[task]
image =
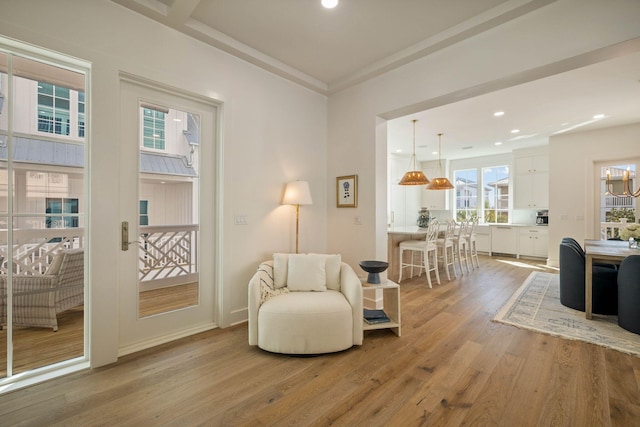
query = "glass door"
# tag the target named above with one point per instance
(616, 209)
(42, 213)
(167, 174)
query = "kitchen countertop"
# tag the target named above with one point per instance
(413, 229)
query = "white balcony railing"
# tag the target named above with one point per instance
(168, 253)
(611, 230)
(36, 248)
(618, 202)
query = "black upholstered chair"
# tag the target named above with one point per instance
(629, 294)
(605, 289)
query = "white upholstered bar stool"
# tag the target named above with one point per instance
(445, 249)
(471, 240)
(460, 245)
(427, 251)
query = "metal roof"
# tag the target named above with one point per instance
(165, 164)
(29, 150)
(56, 153)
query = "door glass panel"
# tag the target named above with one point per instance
(42, 251)
(169, 141)
(48, 309)
(4, 91)
(616, 207)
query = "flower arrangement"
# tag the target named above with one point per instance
(631, 231)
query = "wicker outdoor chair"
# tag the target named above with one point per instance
(37, 299)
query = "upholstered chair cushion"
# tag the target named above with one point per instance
(307, 273)
(308, 323)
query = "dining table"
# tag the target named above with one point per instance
(609, 251)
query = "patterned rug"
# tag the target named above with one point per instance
(536, 306)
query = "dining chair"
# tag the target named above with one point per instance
(445, 249)
(472, 243)
(460, 245)
(629, 294)
(427, 251)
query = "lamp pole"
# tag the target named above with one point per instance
(297, 219)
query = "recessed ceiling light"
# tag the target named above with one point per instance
(329, 4)
(497, 143)
(434, 152)
(515, 131)
(498, 113)
(398, 151)
(598, 116)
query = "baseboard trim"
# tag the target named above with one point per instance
(143, 345)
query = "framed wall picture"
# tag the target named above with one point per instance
(347, 191)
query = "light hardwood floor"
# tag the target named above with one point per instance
(37, 347)
(451, 366)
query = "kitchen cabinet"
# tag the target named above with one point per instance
(403, 200)
(483, 238)
(434, 200)
(533, 241)
(531, 182)
(504, 240)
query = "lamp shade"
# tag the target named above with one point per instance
(442, 182)
(439, 184)
(297, 193)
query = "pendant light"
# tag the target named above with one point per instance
(414, 177)
(442, 183)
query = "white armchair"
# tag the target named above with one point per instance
(305, 304)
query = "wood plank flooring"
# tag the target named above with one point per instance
(37, 347)
(452, 366)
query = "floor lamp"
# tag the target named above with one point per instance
(297, 193)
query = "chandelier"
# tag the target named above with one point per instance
(626, 185)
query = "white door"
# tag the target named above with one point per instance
(167, 181)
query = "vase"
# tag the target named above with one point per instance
(423, 218)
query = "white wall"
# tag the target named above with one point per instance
(501, 57)
(575, 188)
(272, 131)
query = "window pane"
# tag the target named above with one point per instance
(45, 100)
(496, 194)
(45, 88)
(466, 182)
(62, 103)
(61, 92)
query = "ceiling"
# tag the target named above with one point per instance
(553, 105)
(328, 50)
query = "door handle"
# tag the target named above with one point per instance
(124, 236)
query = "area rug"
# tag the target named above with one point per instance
(536, 306)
